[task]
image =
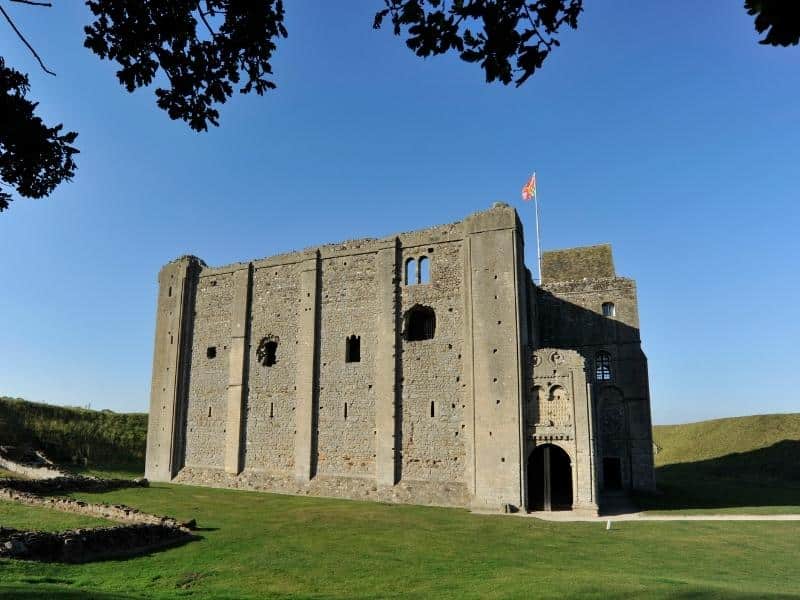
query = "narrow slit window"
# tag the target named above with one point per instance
(433, 409)
(353, 349)
(424, 270)
(345, 411)
(271, 410)
(209, 412)
(602, 366)
(609, 310)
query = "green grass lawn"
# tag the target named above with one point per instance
(257, 545)
(743, 465)
(20, 516)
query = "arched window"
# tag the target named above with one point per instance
(420, 323)
(602, 366)
(424, 270)
(609, 310)
(411, 271)
(267, 351)
(353, 349)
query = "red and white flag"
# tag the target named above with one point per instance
(529, 189)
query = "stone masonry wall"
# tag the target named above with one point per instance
(269, 415)
(433, 445)
(206, 411)
(346, 442)
(431, 421)
(570, 316)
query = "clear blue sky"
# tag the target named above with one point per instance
(663, 128)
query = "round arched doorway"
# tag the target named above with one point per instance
(549, 479)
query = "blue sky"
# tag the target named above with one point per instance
(663, 128)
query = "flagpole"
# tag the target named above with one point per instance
(538, 234)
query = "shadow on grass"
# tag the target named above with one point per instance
(30, 589)
(767, 477)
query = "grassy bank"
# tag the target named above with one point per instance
(741, 464)
(76, 435)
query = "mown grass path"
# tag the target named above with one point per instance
(259, 545)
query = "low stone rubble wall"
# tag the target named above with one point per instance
(70, 483)
(85, 545)
(141, 532)
(112, 512)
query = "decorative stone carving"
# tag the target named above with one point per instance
(552, 408)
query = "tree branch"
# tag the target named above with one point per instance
(536, 29)
(32, 3)
(24, 41)
(203, 17)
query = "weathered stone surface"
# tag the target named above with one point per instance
(252, 387)
(576, 264)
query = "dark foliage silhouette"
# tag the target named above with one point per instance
(34, 158)
(509, 38)
(779, 18)
(203, 48)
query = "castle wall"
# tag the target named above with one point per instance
(171, 357)
(270, 398)
(206, 407)
(277, 406)
(559, 412)
(346, 445)
(495, 278)
(570, 316)
(432, 401)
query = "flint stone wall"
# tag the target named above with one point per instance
(85, 545)
(434, 421)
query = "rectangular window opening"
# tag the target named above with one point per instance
(353, 349)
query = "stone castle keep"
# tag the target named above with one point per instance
(424, 367)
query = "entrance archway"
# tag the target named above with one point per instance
(549, 479)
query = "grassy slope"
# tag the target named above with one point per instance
(741, 464)
(269, 546)
(69, 434)
(711, 439)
